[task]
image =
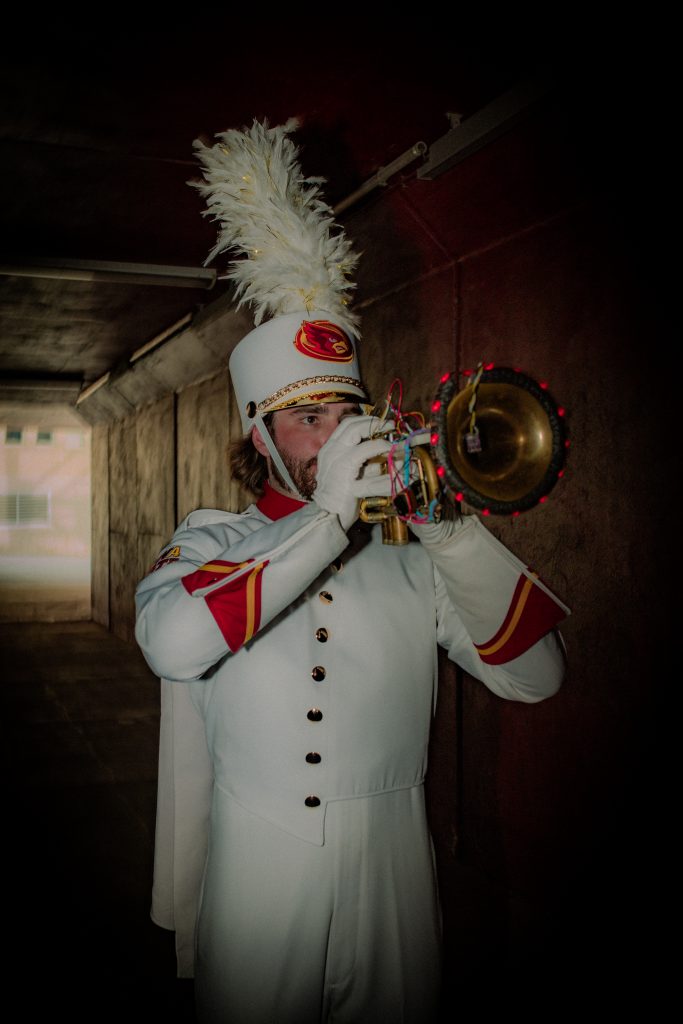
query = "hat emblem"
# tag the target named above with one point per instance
(322, 339)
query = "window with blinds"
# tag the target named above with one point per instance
(24, 509)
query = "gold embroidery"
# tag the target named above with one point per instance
(279, 399)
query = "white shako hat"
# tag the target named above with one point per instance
(297, 359)
(294, 268)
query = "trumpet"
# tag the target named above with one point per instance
(497, 443)
(419, 500)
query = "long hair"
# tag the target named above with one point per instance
(247, 465)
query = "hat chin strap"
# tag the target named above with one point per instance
(276, 457)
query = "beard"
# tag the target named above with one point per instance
(302, 471)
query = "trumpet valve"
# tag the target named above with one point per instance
(394, 531)
(376, 509)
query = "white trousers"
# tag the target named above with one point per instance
(347, 932)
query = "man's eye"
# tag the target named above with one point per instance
(311, 420)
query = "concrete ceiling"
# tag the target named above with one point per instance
(97, 131)
(96, 145)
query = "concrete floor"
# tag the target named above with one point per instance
(44, 589)
(79, 712)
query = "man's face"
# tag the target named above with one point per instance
(299, 434)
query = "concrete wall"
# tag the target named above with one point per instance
(164, 461)
(100, 524)
(207, 423)
(519, 255)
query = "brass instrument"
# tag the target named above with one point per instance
(498, 443)
(393, 513)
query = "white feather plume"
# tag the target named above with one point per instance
(270, 214)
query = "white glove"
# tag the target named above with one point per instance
(433, 534)
(343, 477)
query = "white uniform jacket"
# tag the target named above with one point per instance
(307, 658)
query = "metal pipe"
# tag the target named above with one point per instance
(380, 178)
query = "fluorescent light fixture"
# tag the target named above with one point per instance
(156, 341)
(92, 388)
(113, 273)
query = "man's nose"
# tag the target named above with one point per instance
(328, 428)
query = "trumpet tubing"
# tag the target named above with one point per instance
(419, 498)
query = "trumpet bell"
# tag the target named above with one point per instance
(515, 454)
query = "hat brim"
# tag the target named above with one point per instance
(315, 398)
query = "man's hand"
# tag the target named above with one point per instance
(432, 534)
(344, 474)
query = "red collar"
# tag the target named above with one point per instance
(276, 505)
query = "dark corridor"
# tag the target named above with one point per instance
(80, 738)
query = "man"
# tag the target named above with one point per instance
(301, 656)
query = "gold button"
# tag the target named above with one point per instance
(315, 715)
(318, 673)
(312, 801)
(326, 596)
(337, 565)
(322, 635)
(313, 758)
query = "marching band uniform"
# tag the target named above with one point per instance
(312, 662)
(299, 676)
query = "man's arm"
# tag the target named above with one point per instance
(221, 587)
(496, 617)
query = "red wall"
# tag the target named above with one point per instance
(537, 252)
